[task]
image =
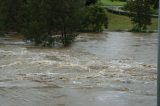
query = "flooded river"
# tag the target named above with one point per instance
(107, 69)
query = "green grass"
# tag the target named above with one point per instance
(123, 23)
(109, 2)
(154, 25)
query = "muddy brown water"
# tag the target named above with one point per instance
(107, 69)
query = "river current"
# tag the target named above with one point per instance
(106, 69)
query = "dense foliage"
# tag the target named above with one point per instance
(11, 14)
(52, 21)
(155, 3)
(89, 2)
(140, 13)
(46, 22)
(119, 0)
(95, 19)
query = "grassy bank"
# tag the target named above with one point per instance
(109, 2)
(123, 23)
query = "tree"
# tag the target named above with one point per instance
(11, 14)
(95, 18)
(155, 3)
(89, 2)
(47, 18)
(140, 13)
(46, 22)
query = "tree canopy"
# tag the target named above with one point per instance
(49, 17)
(140, 13)
(155, 3)
(11, 14)
(89, 2)
(95, 19)
(49, 21)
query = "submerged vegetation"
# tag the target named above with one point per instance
(46, 22)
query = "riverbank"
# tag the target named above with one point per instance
(120, 22)
(123, 23)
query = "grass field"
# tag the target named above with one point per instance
(123, 23)
(109, 2)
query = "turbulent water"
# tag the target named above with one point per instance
(107, 69)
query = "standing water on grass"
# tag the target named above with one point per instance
(107, 69)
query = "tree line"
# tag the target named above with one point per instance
(46, 22)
